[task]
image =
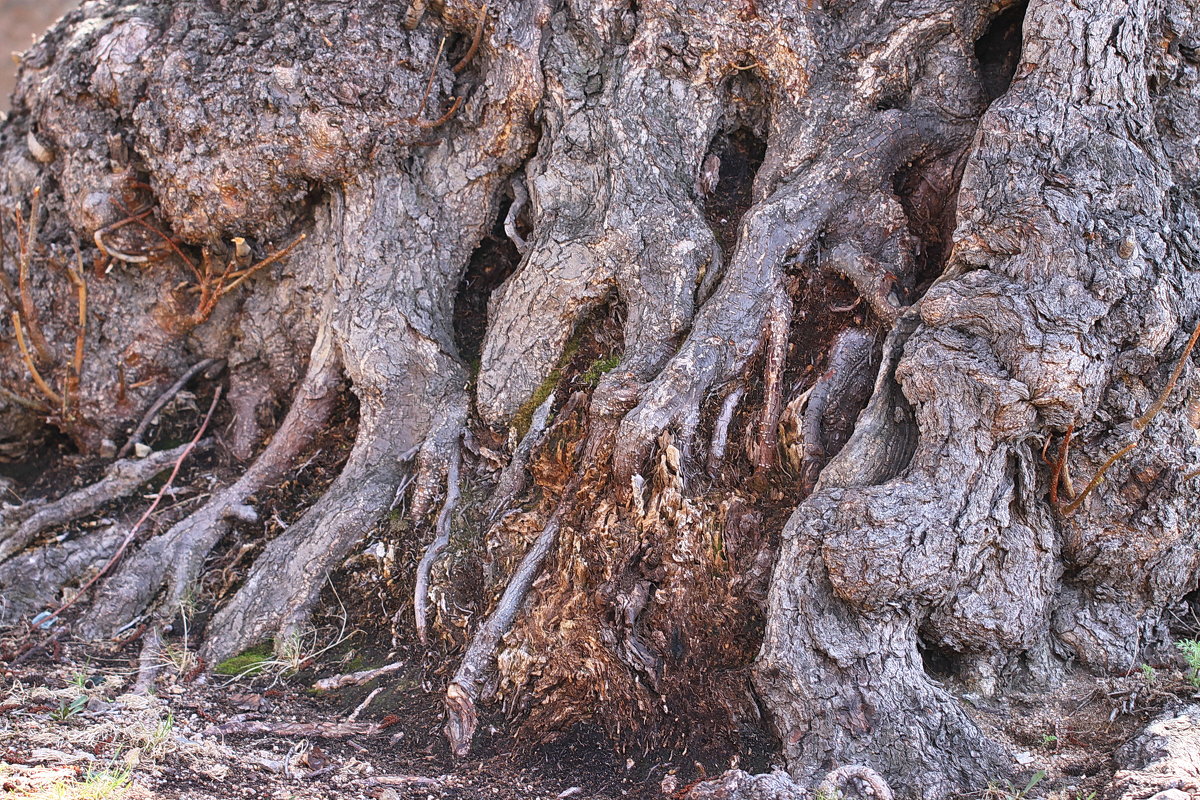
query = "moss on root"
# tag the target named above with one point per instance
(251, 662)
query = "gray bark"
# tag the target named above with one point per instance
(1020, 262)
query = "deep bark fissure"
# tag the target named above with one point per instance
(998, 50)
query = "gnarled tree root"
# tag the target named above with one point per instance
(736, 784)
(121, 479)
(435, 548)
(177, 557)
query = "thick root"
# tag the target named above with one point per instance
(286, 580)
(642, 235)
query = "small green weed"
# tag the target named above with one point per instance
(1010, 792)
(66, 710)
(99, 784)
(1191, 654)
(1149, 674)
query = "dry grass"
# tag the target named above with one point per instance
(91, 741)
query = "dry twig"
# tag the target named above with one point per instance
(1139, 425)
(162, 400)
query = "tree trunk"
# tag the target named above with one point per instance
(820, 327)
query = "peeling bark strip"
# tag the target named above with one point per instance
(1003, 195)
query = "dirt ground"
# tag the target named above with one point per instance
(72, 728)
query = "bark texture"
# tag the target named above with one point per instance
(798, 391)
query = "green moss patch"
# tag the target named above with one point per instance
(248, 663)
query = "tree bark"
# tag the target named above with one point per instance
(824, 323)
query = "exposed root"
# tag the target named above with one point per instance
(720, 437)
(1139, 425)
(122, 478)
(136, 438)
(778, 325)
(441, 445)
(326, 730)
(728, 330)
(871, 279)
(149, 660)
(831, 786)
(285, 580)
(178, 555)
(515, 477)
(850, 362)
(421, 588)
(463, 692)
(358, 678)
(133, 531)
(520, 201)
(735, 784)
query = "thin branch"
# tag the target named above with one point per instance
(271, 259)
(1144, 420)
(32, 405)
(146, 515)
(444, 118)
(1056, 476)
(162, 400)
(327, 730)
(122, 478)
(358, 678)
(1097, 479)
(170, 243)
(77, 278)
(1139, 425)
(432, 75)
(476, 38)
(28, 310)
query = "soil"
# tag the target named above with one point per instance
(68, 715)
(198, 761)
